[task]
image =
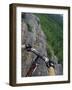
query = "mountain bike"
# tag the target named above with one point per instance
(49, 63)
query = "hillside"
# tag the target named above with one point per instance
(52, 26)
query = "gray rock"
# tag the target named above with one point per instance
(37, 39)
(59, 69)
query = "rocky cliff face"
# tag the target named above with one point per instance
(32, 34)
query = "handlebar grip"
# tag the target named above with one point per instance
(27, 47)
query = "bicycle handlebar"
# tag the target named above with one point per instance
(30, 49)
(49, 63)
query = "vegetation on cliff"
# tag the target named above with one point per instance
(52, 26)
